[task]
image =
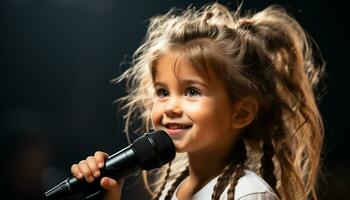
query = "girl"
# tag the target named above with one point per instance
(236, 96)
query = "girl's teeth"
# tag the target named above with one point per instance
(176, 126)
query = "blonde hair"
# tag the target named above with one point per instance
(267, 55)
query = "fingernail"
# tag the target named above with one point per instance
(80, 175)
(100, 165)
(90, 179)
(97, 173)
(111, 182)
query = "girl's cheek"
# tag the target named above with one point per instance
(156, 116)
(154, 123)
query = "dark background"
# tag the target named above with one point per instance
(57, 58)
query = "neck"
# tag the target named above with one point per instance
(204, 167)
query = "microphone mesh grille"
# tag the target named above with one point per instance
(154, 149)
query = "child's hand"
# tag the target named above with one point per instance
(90, 169)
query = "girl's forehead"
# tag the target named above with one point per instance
(180, 65)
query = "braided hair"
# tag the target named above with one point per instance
(241, 154)
(267, 165)
(161, 188)
(222, 181)
(176, 183)
(231, 174)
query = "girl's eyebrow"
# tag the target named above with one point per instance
(182, 81)
(159, 84)
(194, 81)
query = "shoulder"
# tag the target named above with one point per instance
(251, 186)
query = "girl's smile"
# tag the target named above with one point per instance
(176, 129)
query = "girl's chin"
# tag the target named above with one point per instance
(178, 147)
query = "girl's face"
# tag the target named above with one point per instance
(193, 107)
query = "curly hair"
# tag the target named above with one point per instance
(267, 55)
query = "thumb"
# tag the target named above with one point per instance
(113, 188)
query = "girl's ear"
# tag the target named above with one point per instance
(244, 112)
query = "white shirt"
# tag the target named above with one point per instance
(249, 187)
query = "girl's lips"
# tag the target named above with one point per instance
(177, 131)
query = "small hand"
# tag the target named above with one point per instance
(90, 169)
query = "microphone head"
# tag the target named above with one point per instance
(154, 149)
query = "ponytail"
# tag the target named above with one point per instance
(296, 127)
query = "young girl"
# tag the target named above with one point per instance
(236, 96)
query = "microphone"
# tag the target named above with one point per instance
(152, 150)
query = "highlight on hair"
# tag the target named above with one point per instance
(266, 55)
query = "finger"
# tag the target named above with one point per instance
(76, 171)
(100, 157)
(86, 171)
(92, 164)
(113, 188)
(111, 184)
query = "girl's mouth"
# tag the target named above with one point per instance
(177, 129)
(177, 126)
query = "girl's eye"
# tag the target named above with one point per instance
(162, 93)
(192, 92)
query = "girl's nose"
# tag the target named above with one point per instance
(173, 108)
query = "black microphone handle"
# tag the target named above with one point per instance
(74, 186)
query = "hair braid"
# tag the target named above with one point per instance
(161, 188)
(237, 174)
(241, 154)
(222, 181)
(177, 181)
(267, 165)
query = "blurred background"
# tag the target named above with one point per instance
(58, 57)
